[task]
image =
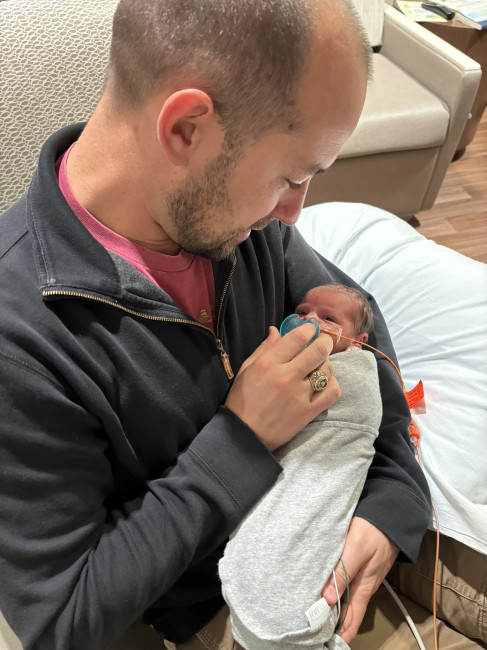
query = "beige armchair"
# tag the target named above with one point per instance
(52, 61)
(416, 109)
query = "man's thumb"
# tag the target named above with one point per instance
(272, 337)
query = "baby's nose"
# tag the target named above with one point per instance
(311, 314)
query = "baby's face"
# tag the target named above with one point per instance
(329, 305)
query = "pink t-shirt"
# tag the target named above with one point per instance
(187, 278)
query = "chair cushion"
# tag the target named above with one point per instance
(47, 82)
(399, 114)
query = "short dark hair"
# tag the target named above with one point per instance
(364, 321)
(248, 55)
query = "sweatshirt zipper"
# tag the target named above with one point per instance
(225, 359)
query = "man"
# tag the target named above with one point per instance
(144, 384)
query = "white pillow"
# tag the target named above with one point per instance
(434, 301)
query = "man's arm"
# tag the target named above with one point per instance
(79, 562)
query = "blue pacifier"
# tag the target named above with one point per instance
(293, 321)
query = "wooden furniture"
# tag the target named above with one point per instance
(473, 43)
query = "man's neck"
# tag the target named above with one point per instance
(115, 192)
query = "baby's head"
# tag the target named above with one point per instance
(342, 305)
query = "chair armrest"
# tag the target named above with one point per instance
(448, 73)
(429, 59)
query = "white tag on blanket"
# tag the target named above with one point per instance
(317, 614)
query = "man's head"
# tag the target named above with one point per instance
(345, 306)
(217, 114)
(248, 56)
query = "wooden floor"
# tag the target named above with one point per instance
(458, 218)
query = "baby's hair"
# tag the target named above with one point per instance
(364, 322)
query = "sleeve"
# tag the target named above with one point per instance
(76, 567)
(395, 497)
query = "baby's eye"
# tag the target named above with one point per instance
(329, 318)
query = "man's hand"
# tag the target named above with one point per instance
(272, 393)
(368, 555)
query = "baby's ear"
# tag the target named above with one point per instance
(362, 337)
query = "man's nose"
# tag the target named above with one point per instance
(290, 204)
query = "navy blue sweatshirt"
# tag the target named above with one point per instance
(122, 473)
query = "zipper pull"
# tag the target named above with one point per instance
(225, 360)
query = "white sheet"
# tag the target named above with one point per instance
(435, 303)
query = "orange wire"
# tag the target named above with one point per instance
(415, 437)
(372, 348)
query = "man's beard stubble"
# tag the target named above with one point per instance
(191, 207)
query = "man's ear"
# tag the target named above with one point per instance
(183, 119)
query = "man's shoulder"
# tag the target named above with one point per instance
(19, 279)
(13, 227)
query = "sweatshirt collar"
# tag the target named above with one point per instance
(68, 257)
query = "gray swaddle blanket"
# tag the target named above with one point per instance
(279, 558)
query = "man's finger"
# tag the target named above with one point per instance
(292, 348)
(351, 618)
(272, 337)
(329, 591)
(353, 604)
(355, 556)
(313, 356)
(367, 555)
(282, 349)
(293, 344)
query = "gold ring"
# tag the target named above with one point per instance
(318, 380)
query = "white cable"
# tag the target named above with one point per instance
(409, 620)
(339, 607)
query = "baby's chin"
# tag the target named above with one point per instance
(346, 346)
